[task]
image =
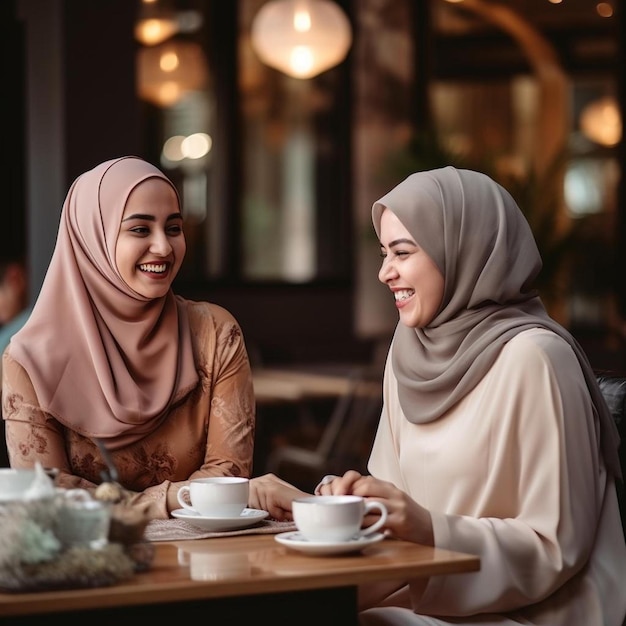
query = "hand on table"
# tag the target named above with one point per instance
(274, 495)
(406, 518)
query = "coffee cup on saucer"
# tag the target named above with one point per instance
(336, 518)
(217, 496)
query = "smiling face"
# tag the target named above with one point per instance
(415, 280)
(150, 245)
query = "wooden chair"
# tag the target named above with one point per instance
(344, 443)
(613, 387)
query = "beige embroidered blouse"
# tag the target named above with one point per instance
(209, 433)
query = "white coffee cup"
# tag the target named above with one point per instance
(336, 518)
(217, 496)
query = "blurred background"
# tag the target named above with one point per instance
(278, 160)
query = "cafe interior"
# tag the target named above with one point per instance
(278, 151)
(278, 160)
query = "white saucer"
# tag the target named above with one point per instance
(248, 517)
(296, 541)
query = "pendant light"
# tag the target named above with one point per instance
(167, 72)
(601, 122)
(156, 22)
(301, 38)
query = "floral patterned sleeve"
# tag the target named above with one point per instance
(230, 439)
(31, 434)
(226, 401)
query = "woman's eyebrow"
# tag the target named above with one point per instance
(397, 242)
(151, 218)
(139, 216)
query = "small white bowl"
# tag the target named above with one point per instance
(14, 482)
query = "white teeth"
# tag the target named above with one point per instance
(403, 295)
(157, 269)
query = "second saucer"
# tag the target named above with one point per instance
(248, 517)
(296, 541)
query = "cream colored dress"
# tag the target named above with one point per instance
(209, 433)
(512, 474)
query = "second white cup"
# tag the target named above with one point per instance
(336, 518)
(217, 496)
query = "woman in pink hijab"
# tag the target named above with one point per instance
(110, 353)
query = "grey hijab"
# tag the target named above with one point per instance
(476, 234)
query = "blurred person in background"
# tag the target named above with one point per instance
(14, 311)
(14, 308)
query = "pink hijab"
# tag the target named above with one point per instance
(474, 231)
(103, 360)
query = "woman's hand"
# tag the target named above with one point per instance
(406, 519)
(270, 493)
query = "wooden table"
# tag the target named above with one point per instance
(236, 580)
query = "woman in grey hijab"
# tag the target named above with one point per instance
(494, 438)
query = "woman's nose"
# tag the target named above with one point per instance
(160, 244)
(387, 271)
